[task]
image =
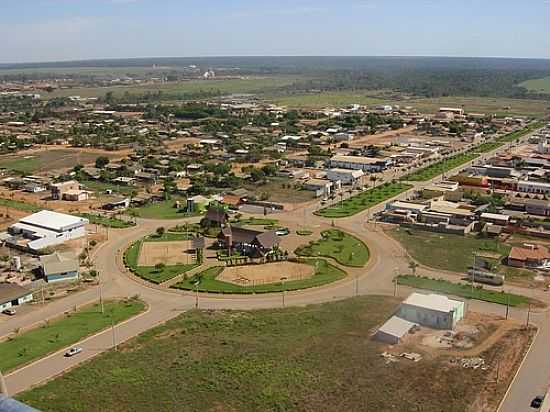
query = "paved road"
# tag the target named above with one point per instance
(387, 258)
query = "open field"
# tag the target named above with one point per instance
(168, 253)
(364, 200)
(37, 161)
(152, 273)
(487, 105)
(463, 290)
(98, 186)
(160, 210)
(314, 358)
(178, 90)
(255, 221)
(342, 247)
(537, 85)
(330, 99)
(324, 273)
(25, 347)
(458, 258)
(275, 191)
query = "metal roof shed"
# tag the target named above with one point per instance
(393, 330)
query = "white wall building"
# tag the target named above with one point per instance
(47, 228)
(528, 186)
(433, 311)
(345, 176)
(366, 164)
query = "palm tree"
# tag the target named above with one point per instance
(373, 179)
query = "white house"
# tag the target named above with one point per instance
(47, 228)
(346, 177)
(433, 311)
(321, 187)
(13, 295)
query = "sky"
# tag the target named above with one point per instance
(54, 30)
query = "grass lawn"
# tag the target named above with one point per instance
(304, 232)
(324, 273)
(454, 252)
(537, 85)
(314, 358)
(169, 237)
(98, 186)
(463, 290)
(364, 200)
(161, 210)
(453, 162)
(16, 204)
(256, 221)
(52, 336)
(342, 247)
(151, 273)
(111, 222)
(49, 159)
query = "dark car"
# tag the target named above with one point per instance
(537, 402)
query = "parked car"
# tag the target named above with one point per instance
(73, 351)
(282, 232)
(9, 312)
(537, 402)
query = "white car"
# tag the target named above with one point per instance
(9, 312)
(73, 351)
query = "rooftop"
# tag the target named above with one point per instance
(435, 302)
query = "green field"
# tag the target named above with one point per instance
(16, 204)
(98, 186)
(314, 358)
(179, 89)
(106, 221)
(488, 105)
(255, 221)
(160, 210)
(51, 159)
(364, 200)
(324, 273)
(463, 290)
(151, 273)
(340, 246)
(537, 85)
(458, 258)
(25, 347)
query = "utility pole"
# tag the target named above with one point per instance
(507, 304)
(197, 294)
(100, 292)
(528, 313)
(113, 330)
(3, 386)
(283, 279)
(357, 284)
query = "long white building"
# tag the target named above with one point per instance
(47, 228)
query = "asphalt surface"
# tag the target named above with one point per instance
(387, 259)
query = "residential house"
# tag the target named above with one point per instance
(433, 311)
(13, 295)
(529, 256)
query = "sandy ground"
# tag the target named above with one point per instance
(268, 273)
(169, 253)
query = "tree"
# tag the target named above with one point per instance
(160, 231)
(412, 266)
(373, 179)
(160, 266)
(101, 162)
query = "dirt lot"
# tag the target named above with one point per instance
(494, 344)
(268, 273)
(169, 253)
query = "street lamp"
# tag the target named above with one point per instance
(196, 284)
(283, 280)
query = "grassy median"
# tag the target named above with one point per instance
(24, 347)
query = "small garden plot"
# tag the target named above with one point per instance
(342, 247)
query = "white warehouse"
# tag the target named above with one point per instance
(47, 228)
(433, 311)
(345, 176)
